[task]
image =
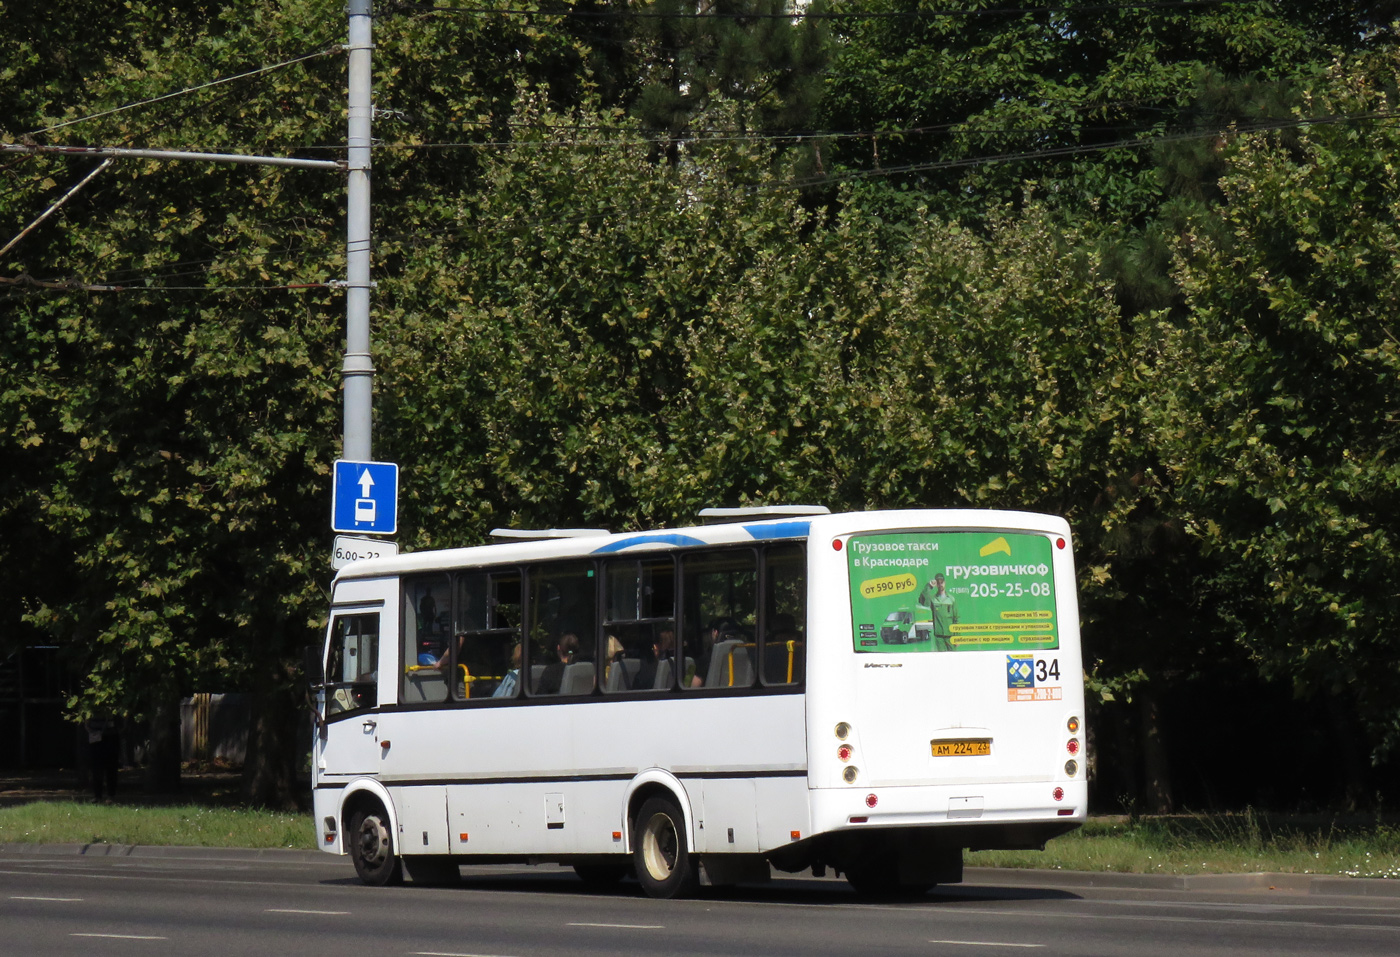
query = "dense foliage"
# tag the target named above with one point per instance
(1134, 264)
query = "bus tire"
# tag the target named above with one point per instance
(372, 848)
(434, 870)
(660, 853)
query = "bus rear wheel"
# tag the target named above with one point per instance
(665, 866)
(372, 848)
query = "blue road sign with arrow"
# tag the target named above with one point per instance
(366, 498)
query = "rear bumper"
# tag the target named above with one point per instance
(983, 816)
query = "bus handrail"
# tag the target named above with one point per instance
(467, 676)
(730, 657)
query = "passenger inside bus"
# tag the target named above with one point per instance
(510, 684)
(720, 629)
(618, 669)
(552, 677)
(655, 671)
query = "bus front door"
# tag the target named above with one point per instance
(348, 733)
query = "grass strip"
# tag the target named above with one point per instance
(72, 822)
(1216, 844)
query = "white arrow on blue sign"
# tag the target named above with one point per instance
(366, 498)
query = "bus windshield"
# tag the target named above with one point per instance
(924, 591)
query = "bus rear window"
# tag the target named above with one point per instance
(952, 591)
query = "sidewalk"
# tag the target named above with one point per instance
(19, 787)
(66, 784)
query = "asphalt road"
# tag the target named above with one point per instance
(60, 902)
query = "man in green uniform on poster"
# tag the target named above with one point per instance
(945, 612)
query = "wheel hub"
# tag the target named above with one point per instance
(374, 841)
(659, 843)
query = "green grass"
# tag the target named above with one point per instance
(71, 822)
(1217, 844)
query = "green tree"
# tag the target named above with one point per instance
(1276, 418)
(669, 61)
(1069, 87)
(173, 434)
(173, 438)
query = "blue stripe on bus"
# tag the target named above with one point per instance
(758, 532)
(670, 538)
(780, 530)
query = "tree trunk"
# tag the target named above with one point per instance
(275, 739)
(1157, 782)
(163, 748)
(1355, 776)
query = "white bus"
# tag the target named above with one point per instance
(869, 692)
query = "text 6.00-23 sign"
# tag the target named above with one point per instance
(348, 549)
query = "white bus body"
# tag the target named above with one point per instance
(800, 730)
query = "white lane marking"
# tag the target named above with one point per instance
(441, 953)
(982, 943)
(1153, 919)
(622, 926)
(121, 936)
(294, 910)
(16, 897)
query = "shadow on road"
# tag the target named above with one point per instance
(807, 891)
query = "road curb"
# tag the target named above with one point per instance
(1356, 886)
(275, 855)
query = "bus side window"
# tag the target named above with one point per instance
(486, 616)
(639, 625)
(721, 604)
(353, 664)
(427, 616)
(563, 629)
(784, 614)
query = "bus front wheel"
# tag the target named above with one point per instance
(665, 866)
(372, 848)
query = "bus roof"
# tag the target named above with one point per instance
(666, 539)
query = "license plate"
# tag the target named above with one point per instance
(961, 746)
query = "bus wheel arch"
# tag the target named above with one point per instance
(653, 783)
(369, 828)
(660, 831)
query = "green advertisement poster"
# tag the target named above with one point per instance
(952, 591)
